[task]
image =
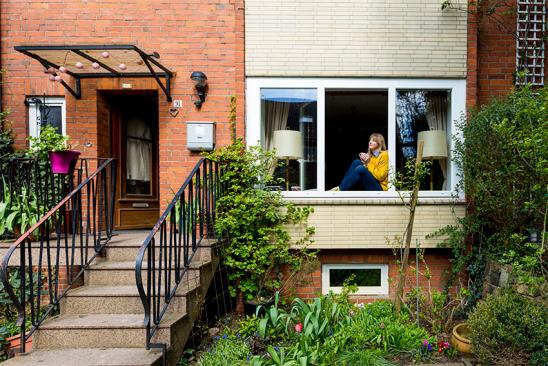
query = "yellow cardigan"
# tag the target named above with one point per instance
(378, 166)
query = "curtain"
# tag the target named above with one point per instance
(436, 117)
(275, 118)
(139, 150)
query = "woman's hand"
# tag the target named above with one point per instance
(364, 157)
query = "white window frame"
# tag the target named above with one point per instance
(362, 290)
(34, 129)
(457, 88)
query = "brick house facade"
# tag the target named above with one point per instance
(358, 61)
(204, 36)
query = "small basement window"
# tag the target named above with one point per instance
(371, 279)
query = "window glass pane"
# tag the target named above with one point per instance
(293, 110)
(51, 115)
(418, 111)
(363, 277)
(139, 157)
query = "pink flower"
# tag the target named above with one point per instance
(299, 327)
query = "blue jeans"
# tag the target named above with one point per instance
(359, 178)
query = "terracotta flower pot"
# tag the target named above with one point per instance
(14, 345)
(459, 338)
(62, 162)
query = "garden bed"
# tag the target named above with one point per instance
(328, 331)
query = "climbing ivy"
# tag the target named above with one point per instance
(256, 221)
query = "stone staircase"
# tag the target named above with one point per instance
(101, 322)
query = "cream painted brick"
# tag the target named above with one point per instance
(367, 225)
(327, 38)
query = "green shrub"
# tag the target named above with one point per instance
(6, 138)
(505, 164)
(379, 327)
(508, 328)
(503, 157)
(226, 351)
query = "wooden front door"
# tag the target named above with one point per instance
(134, 121)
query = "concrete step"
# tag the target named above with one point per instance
(119, 299)
(123, 273)
(138, 237)
(88, 357)
(75, 256)
(125, 251)
(101, 331)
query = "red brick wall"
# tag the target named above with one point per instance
(491, 53)
(437, 261)
(191, 35)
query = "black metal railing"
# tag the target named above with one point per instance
(30, 182)
(61, 244)
(166, 253)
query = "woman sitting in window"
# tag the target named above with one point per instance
(370, 172)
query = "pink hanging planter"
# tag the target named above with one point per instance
(62, 162)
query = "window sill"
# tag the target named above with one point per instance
(369, 198)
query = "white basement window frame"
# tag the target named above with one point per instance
(34, 113)
(381, 290)
(457, 107)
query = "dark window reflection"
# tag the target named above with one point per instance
(51, 116)
(363, 277)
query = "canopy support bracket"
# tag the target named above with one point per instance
(166, 88)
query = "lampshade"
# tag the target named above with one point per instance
(435, 144)
(288, 144)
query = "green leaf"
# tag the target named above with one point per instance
(274, 355)
(11, 220)
(262, 327)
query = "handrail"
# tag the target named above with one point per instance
(81, 216)
(187, 220)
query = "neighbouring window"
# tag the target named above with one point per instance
(371, 279)
(293, 110)
(420, 111)
(44, 111)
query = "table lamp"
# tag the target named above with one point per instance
(435, 148)
(288, 145)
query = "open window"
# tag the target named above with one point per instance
(350, 118)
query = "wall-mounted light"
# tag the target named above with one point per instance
(200, 84)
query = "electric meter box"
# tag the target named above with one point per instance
(200, 136)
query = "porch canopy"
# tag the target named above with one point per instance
(99, 61)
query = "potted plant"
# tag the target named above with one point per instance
(256, 220)
(55, 146)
